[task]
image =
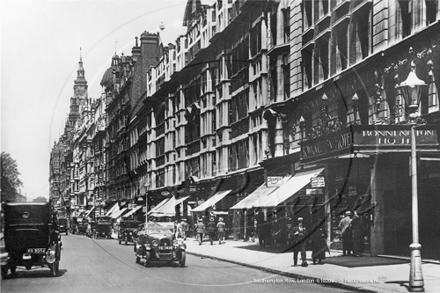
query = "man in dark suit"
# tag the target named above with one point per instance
(299, 235)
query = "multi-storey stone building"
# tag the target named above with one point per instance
(280, 109)
(346, 114)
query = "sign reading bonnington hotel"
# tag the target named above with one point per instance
(358, 138)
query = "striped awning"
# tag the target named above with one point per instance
(132, 211)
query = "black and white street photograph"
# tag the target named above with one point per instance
(220, 146)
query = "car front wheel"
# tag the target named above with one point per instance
(182, 259)
(147, 258)
(54, 269)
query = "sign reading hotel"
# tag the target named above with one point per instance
(369, 138)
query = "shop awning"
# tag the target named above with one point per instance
(255, 198)
(169, 207)
(287, 191)
(90, 211)
(158, 206)
(212, 201)
(118, 214)
(111, 210)
(132, 211)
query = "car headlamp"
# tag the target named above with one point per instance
(155, 243)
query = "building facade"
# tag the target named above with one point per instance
(275, 110)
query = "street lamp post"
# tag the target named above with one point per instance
(146, 188)
(411, 90)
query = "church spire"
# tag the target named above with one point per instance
(80, 71)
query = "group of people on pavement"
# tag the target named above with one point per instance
(298, 236)
(350, 227)
(181, 229)
(211, 229)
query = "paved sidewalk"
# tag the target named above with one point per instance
(384, 278)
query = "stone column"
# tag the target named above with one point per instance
(377, 229)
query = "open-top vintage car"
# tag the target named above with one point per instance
(127, 230)
(156, 242)
(31, 236)
(63, 225)
(102, 228)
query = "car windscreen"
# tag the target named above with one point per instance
(153, 228)
(129, 224)
(104, 223)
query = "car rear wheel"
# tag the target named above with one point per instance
(138, 259)
(147, 258)
(126, 242)
(13, 270)
(54, 269)
(182, 259)
(4, 272)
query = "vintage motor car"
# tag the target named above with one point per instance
(79, 225)
(63, 225)
(127, 230)
(31, 236)
(102, 228)
(156, 242)
(4, 256)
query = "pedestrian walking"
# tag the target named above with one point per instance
(221, 230)
(356, 224)
(211, 229)
(299, 245)
(177, 229)
(346, 233)
(200, 230)
(184, 228)
(319, 244)
(264, 230)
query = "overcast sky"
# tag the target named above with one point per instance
(40, 50)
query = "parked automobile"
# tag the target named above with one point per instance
(31, 236)
(4, 256)
(102, 228)
(63, 225)
(157, 243)
(78, 226)
(127, 230)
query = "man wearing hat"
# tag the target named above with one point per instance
(183, 228)
(346, 233)
(221, 230)
(299, 244)
(212, 229)
(200, 229)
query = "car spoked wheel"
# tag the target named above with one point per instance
(147, 258)
(182, 259)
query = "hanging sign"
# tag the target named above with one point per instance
(317, 182)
